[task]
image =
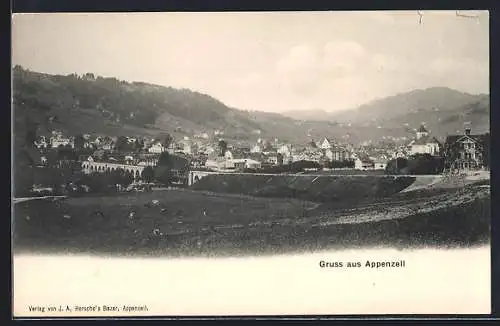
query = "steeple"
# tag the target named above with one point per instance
(422, 132)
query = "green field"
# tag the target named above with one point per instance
(202, 223)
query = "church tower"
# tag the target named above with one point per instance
(422, 132)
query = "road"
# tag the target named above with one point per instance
(24, 199)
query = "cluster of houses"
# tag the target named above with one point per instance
(465, 151)
(55, 141)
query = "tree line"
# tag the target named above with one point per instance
(416, 164)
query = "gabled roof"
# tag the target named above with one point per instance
(380, 160)
(364, 158)
(256, 156)
(475, 138)
(422, 129)
(214, 156)
(331, 141)
(425, 140)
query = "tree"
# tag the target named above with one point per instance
(139, 145)
(121, 143)
(79, 141)
(167, 140)
(89, 75)
(31, 128)
(486, 150)
(30, 138)
(23, 180)
(24, 159)
(163, 174)
(222, 147)
(416, 164)
(164, 160)
(267, 145)
(396, 166)
(148, 174)
(280, 159)
(65, 153)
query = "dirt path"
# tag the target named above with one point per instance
(24, 199)
(401, 209)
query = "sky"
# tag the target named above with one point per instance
(267, 61)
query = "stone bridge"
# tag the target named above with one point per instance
(101, 167)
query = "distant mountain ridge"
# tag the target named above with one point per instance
(93, 104)
(421, 100)
(442, 109)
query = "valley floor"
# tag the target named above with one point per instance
(197, 223)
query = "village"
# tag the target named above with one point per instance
(94, 154)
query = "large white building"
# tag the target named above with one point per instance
(57, 141)
(424, 143)
(326, 143)
(157, 148)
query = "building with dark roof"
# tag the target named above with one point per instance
(467, 152)
(424, 143)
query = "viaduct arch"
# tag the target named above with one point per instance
(195, 176)
(101, 167)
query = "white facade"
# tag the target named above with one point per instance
(246, 163)
(272, 160)
(228, 155)
(256, 149)
(157, 148)
(380, 165)
(325, 144)
(41, 143)
(285, 150)
(428, 148)
(55, 142)
(362, 164)
(329, 154)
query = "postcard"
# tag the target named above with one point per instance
(251, 164)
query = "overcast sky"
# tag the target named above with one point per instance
(266, 61)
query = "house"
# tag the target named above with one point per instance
(363, 162)
(379, 163)
(185, 147)
(256, 149)
(129, 159)
(424, 143)
(286, 151)
(328, 153)
(400, 153)
(337, 153)
(245, 163)
(201, 135)
(326, 143)
(252, 164)
(228, 155)
(98, 140)
(467, 152)
(216, 162)
(41, 142)
(60, 140)
(208, 149)
(272, 159)
(108, 145)
(157, 148)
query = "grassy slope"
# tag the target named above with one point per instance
(322, 189)
(237, 225)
